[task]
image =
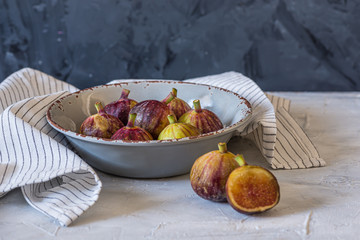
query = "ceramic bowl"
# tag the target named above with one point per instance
(152, 159)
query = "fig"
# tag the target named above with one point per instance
(152, 116)
(177, 105)
(203, 119)
(210, 172)
(177, 130)
(101, 124)
(131, 132)
(121, 107)
(252, 189)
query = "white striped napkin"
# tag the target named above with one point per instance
(57, 182)
(280, 139)
(35, 157)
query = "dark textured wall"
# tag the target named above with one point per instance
(281, 44)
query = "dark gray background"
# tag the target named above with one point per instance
(281, 44)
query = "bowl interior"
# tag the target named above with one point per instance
(69, 112)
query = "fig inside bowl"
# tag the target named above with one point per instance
(147, 159)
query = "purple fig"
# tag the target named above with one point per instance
(210, 172)
(131, 132)
(177, 105)
(177, 130)
(121, 107)
(100, 125)
(152, 116)
(203, 119)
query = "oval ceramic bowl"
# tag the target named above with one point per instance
(152, 159)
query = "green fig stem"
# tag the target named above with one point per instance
(131, 121)
(174, 92)
(222, 147)
(197, 106)
(240, 160)
(168, 99)
(124, 93)
(99, 107)
(171, 119)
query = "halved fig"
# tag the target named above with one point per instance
(252, 189)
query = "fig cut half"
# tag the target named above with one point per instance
(252, 189)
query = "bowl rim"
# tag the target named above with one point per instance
(200, 137)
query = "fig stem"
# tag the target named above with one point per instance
(240, 160)
(222, 147)
(169, 98)
(124, 93)
(174, 92)
(171, 119)
(99, 107)
(131, 121)
(197, 106)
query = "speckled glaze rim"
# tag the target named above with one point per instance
(186, 140)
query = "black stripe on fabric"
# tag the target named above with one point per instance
(36, 82)
(14, 152)
(83, 178)
(283, 160)
(291, 145)
(303, 147)
(81, 184)
(45, 106)
(257, 104)
(45, 211)
(37, 154)
(70, 208)
(22, 106)
(28, 80)
(278, 141)
(5, 94)
(10, 92)
(79, 190)
(64, 195)
(21, 84)
(258, 94)
(38, 102)
(17, 92)
(21, 149)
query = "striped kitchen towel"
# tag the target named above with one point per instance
(58, 183)
(279, 138)
(35, 157)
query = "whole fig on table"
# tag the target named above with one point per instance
(177, 130)
(177, 105)
(121, 107)
(151, 115)
(210, 172)
(203, 119)
(101, 124)
(131, 132)
(252, 189)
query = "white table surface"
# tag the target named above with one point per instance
(317, 203)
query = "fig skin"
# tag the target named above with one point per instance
(210, 172)
(177, 105)
(252, 189)
(151, 116)
(203, 119)
(100, 125)
(177, 130)
(131, 132)
(121, 107)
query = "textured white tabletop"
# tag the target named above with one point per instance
(318, 203)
